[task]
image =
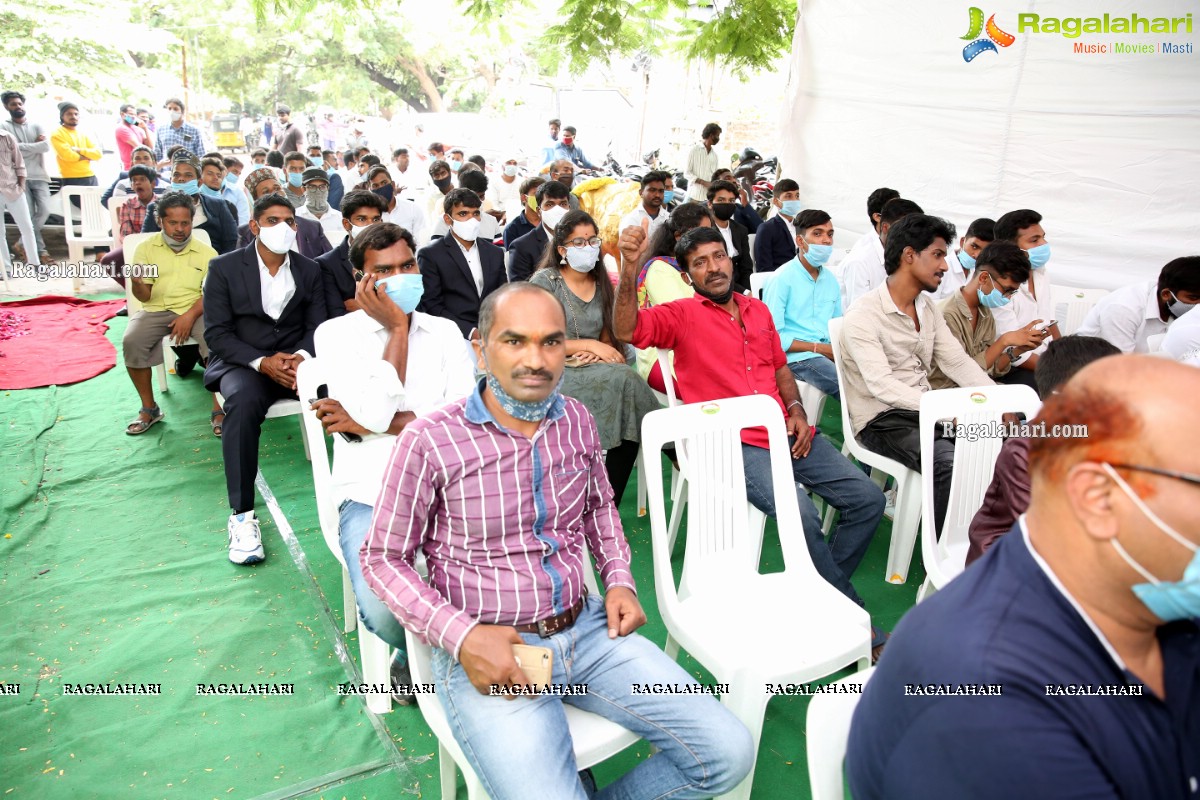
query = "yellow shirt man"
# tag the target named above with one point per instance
(74, 163)
(180, 275)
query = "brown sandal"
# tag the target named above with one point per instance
(217, 427)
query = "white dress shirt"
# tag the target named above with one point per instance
(275, 291)
(330, 222)
(1025, 308)
(954, 279)
(472, 255)
(862, 268)
(505, 196)
(701, 163)
(634, 219)
(439, 370)
(1126, 317)
(1182, 342)
(727, 232)
(407, 215)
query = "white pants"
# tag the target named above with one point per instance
(19, 209)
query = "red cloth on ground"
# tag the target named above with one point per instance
(47, 341)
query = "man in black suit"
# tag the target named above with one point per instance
(218, 222)
(359, 209)
(262, 305)
(311, 241)
(722, 199)
(775, 242)
(527, 251)
(460, 270)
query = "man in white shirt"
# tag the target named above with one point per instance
(504, 190)
(654, 197)
(410, 182)
(1182, 341)
(960, 265)
(390, 364)
(702, 162)
(1035, 301)
(862, 269)
(404, 213)
(1131, 314)
(316, 205)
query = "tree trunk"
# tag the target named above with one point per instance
(386, 81)
(416, 67)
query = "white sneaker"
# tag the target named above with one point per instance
(889, 505)
(245, 540)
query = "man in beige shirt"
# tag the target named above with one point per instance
(892, 338)
(1000, 270)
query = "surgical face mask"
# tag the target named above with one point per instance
(466, 229)
(316, 161)
(317, 199)
(568, 140)
(583, 259)
(1167, 600)
(386, 192)
(355, 230)
(295, 178)
(1039, 255)
(552, 216)
(967, 260)
(278, 238)
(791, 208)
(176, 116)
(510, 170)
(190, 188)
(208, 191)
(130, 119)
(1178, 308)
(993, 299)
(817, 254)
(405, 290)
(174, 245)
(524, 410)
(231, 180)
(455, 165)
(724, 211)
(443, 184)
(668, 196)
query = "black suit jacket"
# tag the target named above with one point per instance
(743, 264)
(450, 287)
(310, 238)
(525, 253)
(337, 278)
(236, 327)
(220, 226)
(774, 245)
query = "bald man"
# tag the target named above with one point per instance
(1066, 661)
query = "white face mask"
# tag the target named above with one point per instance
(552, 216)
(176, 116)
(355, 230)
(466, 229)
(582, 259)
(278, 238)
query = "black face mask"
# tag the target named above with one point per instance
(443, 184)
(718, 299)
(723, 211)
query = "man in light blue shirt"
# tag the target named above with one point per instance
(803, 296)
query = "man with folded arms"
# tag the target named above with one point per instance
(505, 493)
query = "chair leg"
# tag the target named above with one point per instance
(304, 436)
(905, 527)
(349, 606)
(161, 373)
(926, 589)
(376, 657)
(671, 648)
(447, 774)
(641, 483)
(678, 502)
(169, 358)
(748, 703)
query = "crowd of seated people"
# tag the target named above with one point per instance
(496, 380)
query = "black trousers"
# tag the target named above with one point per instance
(896, 434)
(248, 395)
(618, 463)
(1019, 377)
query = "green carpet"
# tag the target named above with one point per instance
(113, 570)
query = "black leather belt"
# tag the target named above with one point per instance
(549, 626)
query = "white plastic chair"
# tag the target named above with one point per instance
(375, 657)
(974, 463)
(908, 482)
(593, 737)
(95, 224)
(283, 408)
(1072, 304)
(758, 282)
(826, 731)
(1154, 343)
(740, 642)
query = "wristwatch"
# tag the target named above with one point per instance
(1011, 352)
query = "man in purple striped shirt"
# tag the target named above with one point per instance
(505, 492)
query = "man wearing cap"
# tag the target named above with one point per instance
(289, 138)
(212, 213)
(309, 240)
(178, 132)
(75, 151)
(316, 205)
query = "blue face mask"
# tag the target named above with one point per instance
(1169, 601)
(993, 299)
(191, 187)
(316, 161)
(1039, 255)
(295, 178)
(524, 410)
(967, 260)
(455, 166)
(208, 191)
(231, 180)
(129, 120)
(818, 254)
(668, 196)
(791, 208)
(405, 290)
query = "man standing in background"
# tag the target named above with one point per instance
(130, 133)
(702, 162)
(75, 151)
(178, 132)
(289, 138)
(33, 143)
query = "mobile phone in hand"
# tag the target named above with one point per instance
(323, 394)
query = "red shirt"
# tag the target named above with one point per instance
(715, 357)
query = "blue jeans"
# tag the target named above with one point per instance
(516, 745)
(819, 372)
(354, 520)
(831, 476)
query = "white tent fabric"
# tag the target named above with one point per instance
(1105, 146)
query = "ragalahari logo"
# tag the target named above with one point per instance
(995, 36)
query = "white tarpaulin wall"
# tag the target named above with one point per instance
(1106, 147)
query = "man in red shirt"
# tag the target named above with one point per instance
(726, 345)
(131, 132)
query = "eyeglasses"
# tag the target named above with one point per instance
(595, 241)
(1187, 477)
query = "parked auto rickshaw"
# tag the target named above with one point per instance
(228, 133)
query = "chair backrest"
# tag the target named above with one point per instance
(758, 282)
(1072, 304)
(978, 412)
(95, 223)
(133, 305)
(115, 203)
(311, 374)
(722, 544)
(827, 729)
